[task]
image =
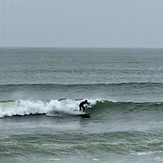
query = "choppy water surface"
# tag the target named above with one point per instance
(41, 87)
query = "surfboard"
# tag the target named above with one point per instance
(85, 115)
(81, 114)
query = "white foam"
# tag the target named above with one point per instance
(27, 107)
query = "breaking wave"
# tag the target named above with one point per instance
(69, 106)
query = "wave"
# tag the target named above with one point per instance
(12, 87)
(75, 84)
(117, 142)
(127, 106)
(69, 106)
(31, 107)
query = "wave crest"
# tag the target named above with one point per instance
(70, 106)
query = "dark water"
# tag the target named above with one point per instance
(41, 87)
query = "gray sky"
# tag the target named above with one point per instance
(81, 23)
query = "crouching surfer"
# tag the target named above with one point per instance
(81, 105)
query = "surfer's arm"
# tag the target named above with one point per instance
(89, 103)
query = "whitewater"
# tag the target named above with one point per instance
(50, 108)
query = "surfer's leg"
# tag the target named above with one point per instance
(83, 109)
(80, 107)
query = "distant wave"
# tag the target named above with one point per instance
(5, 87)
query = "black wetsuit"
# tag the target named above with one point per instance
(81, 105)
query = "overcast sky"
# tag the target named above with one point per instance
(81, 23)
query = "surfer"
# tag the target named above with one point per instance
(81, 105)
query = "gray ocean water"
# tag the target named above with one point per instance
(41, 87)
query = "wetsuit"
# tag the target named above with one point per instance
(81, 105)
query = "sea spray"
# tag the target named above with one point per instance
(31, 107)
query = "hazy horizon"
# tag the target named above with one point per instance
(81, 24)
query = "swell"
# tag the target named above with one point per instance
(12, 87)
(135, 143)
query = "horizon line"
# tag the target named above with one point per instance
(78, 47)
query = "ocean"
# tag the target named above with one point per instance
(40, 92)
